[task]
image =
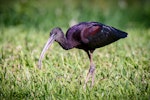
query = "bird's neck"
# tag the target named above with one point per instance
(64, 43)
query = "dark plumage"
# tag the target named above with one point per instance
(87, 36)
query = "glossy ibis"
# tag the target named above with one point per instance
(87, 36)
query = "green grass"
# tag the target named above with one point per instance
(122, 68)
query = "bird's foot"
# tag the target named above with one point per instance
(92, 74)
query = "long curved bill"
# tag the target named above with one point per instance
(47, 45)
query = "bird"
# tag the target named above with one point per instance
(87, 36)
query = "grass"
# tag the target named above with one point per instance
(122, 68)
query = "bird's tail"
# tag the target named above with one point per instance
(119, 33)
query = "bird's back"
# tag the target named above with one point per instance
(91, 35)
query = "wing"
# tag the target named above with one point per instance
(99, 35)
(73, 34)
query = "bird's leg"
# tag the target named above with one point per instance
(91, 70)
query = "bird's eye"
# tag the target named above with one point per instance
(50, 33)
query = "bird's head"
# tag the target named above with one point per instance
(55, 35)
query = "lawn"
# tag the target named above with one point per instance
(122, 68)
